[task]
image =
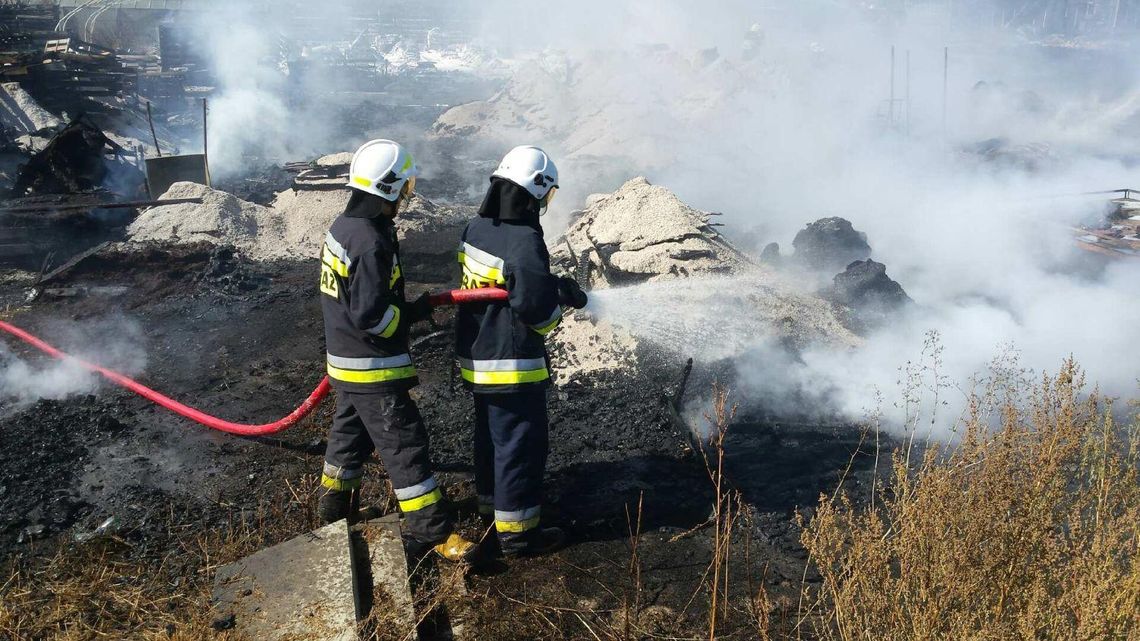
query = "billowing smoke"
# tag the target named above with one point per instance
(294, 82)
(779, 113)
(789, 120)
(115, 342)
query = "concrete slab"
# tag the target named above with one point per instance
(299, 590)
(392, 604)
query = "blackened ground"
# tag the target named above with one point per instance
(244, 341)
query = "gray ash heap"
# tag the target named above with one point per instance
(642, 250)
(830, 244)
(868, 292)
(293, 226)
(642, 233)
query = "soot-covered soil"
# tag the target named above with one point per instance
(244, 341)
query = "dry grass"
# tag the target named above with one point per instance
(107, 589)
(89, 592)
(1027, 527)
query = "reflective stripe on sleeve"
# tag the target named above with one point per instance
(504, 372)
(548, 325)
(485, 268)
(337, 250)
(420, 502)
(340, 485)
(342, 473)
(369, 363)
(341, 479)
(388, 324)
(518, 520)
(419, 496)
(334, 262)
(411, 492)
(397, 272)
(370, 370)
(335, 256)
(503, 365)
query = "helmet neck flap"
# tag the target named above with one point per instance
(507, 202)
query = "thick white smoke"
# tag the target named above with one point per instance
(788, 121)
(801, 131)
(115, 342)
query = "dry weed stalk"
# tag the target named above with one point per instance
(1026, 529)
(725, 508)
(633, 609)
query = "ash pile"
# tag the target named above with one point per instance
(668, 285)
(836, 256)
(291, 227)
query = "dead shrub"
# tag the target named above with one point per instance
(1024, 529)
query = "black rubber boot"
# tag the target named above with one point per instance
(334, 505)
(536, 542)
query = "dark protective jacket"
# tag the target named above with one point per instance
(362, 298)
(502, 346)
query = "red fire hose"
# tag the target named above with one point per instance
(456, 297)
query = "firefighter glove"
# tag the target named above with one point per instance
(569, 293)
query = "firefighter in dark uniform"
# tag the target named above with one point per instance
(501, 346)
(369, 365)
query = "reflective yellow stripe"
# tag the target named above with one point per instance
(420, 502)
(407, 165)
(516, 526)
(340, 485)
(504, 378)
(396, 273)
(479, 269)
(371, 375)
(546, 329)
(390, 328)
(362, 181)
(334, 263)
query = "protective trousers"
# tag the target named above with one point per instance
(390, 422)
(511, 443)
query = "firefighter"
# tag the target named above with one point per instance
(366, 335)
(501, 347)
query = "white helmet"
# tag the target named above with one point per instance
(530, 168)
(383, 168)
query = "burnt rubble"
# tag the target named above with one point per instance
(80, 158)
(868, 292)
(829, 244)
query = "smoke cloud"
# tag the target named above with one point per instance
(792, 122)
(777, 114)
(115, 342)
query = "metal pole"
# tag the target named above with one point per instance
(150, 121)
(945, 85)
(205, 144)
(908, 93)
(891, 104)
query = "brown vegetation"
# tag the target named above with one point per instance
(1027, 529)
(1026, 525)
(106, 588)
